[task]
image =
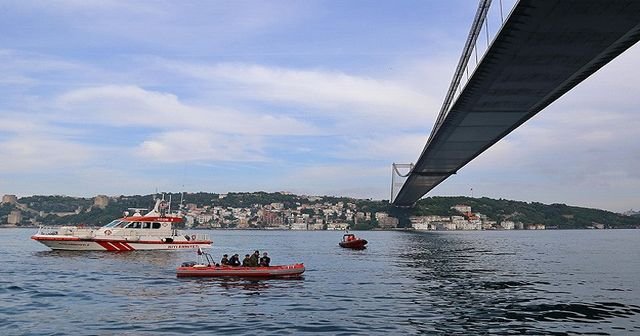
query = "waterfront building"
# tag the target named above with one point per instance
(380, 215)
(337, 226)
(14, 217)
(535, 227)
(508, 225)
(272, 218)
(428, 226)
(204, 218)
(488, 224)
(446, 225)
(388, 222)
(316, 226)
(427, 222)
(299, 226)
(243, 222)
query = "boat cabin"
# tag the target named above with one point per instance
(143, 226)
(141, 223)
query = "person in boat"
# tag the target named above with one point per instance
(246, 262)
(235, 260)
(265, 260)
(225, 260)
(255, 259)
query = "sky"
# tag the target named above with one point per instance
(311, 97)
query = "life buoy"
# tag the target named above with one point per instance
(193, 237)
(107, 232)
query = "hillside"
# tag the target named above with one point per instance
(561, 216)
(57, 210)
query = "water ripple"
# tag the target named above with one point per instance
(498, 283)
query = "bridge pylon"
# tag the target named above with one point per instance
(398, 178)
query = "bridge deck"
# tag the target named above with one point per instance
(544, 49)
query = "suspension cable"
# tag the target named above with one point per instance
(476, 27)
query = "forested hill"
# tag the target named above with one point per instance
(561, 216)
(50, 209)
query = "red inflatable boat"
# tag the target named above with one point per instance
(283, 271)
(349, 240)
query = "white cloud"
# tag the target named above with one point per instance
(399, 148)
(29, 144)
(132, 106)
(339, 95)
(354, 180)
(36, 153)
(164, 26)
(181, 146)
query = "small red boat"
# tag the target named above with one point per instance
(206, 267)
(282, 271)
(350, 240)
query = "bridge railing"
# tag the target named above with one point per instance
(489, 19)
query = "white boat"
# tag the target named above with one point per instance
(154, 231)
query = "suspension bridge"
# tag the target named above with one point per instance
(541, 50)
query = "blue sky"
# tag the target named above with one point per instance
(313, 97)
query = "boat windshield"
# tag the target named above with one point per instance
(123, 224)
(113, 223)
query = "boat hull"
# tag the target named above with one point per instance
(283, 271)
(114, 245)
(357, 244)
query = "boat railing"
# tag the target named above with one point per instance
(199, 236)
(136, 233)
(64, 230)
(48, 230)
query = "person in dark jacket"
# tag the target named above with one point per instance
(225, 260)
(255, 258)
(246, 262)
(265, 260)
(235, 260)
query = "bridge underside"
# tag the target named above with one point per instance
(544, 49)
